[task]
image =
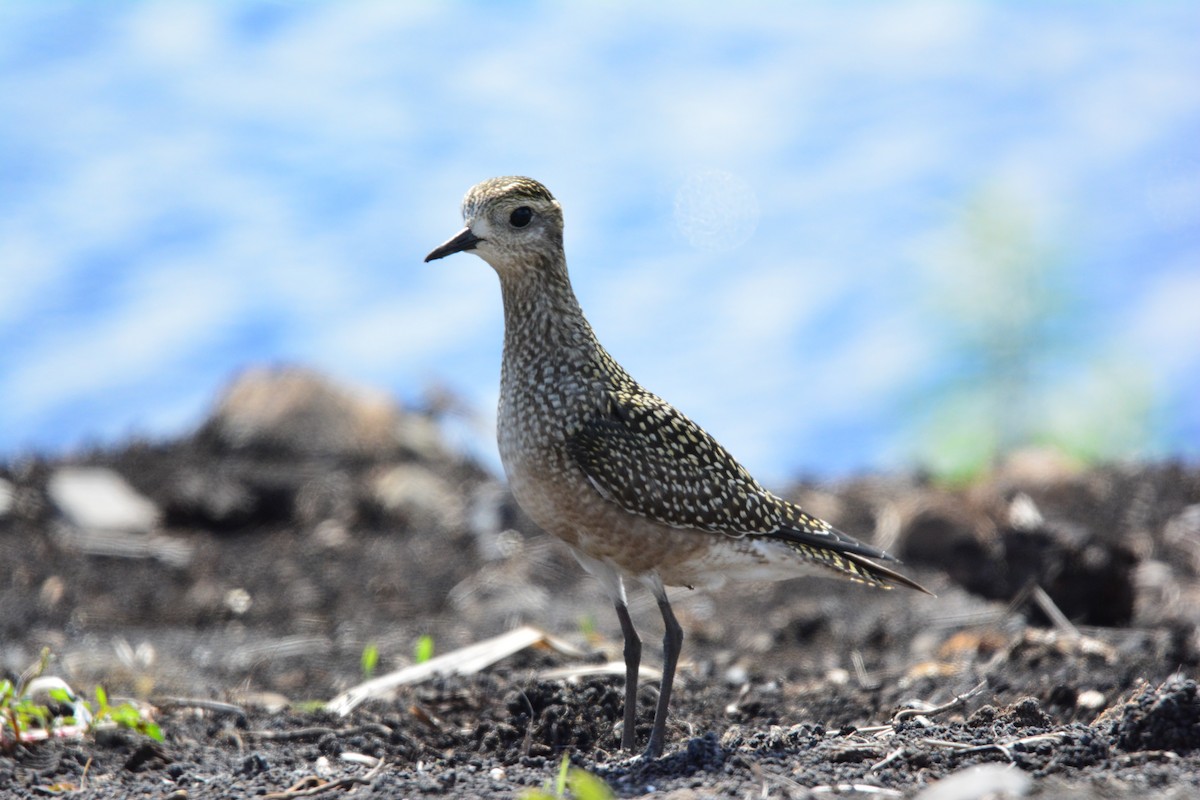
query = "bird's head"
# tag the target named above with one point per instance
(511, 223)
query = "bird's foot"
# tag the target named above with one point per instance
(653, 750)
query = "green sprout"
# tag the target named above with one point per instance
(423, 651)
(125, 715)
(581, 785)
(370, 659)
(18, 713)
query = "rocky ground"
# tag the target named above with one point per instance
(230, 582)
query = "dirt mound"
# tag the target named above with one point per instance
(1166, 717)
(230, 579)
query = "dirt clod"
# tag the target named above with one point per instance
(1165, 717)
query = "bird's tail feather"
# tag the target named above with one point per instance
(857, 567)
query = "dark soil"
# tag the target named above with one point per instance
(305, 522)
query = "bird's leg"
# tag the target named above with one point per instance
(672, 644)
(633, 658)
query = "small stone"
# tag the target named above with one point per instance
(421, 497)
(977, 783)
(838, 676)
(1090, 700)
(254, 764)
(95, 498)
(238, 601)
(52, 591)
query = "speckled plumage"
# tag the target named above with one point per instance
(632, 485)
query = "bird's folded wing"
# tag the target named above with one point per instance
(642, 454)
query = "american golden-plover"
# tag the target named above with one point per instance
(635, 488)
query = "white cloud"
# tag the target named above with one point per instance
(173, 35)
(409, 332)
(167, 316)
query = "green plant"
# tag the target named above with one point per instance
(308, 706)
(125, 715)
(423, 651)
(19, 714)
(370, 659)
(581, 784)
(24, 719)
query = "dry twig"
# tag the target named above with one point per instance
(317, 732)
(955, 702)
(313, 786)
(214, 706)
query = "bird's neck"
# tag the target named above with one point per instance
(540, 310)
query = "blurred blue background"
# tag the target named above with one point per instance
(842, 236)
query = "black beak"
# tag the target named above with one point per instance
(463, 240)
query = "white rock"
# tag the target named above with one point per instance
(424, 498)
(238, 601)
(7, 493)
(307, 412)
(98, 498)
(991, 781)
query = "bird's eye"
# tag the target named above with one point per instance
(520, 216)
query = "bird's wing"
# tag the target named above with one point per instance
(642, 454)
(645, 456)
